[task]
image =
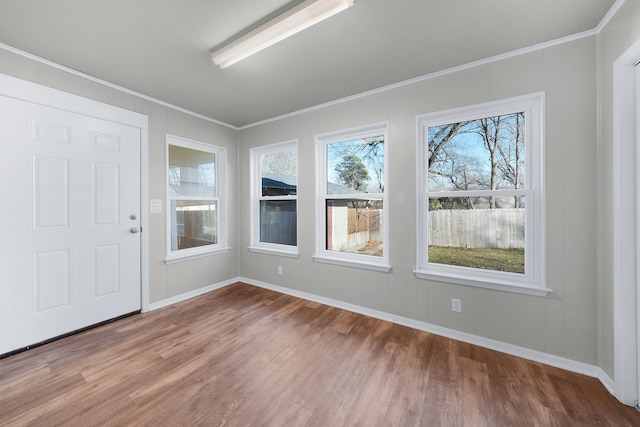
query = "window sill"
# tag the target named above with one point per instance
(349, 263)
(187, 257)
(499, 285)
(277, 252)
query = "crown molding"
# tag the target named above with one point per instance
(595, 31)
(111, 85)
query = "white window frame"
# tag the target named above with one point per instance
(368, 262)
(220, 198)
(256, 197)
(533, 281)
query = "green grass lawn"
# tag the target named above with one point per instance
(510, 260)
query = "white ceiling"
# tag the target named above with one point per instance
(161, 48)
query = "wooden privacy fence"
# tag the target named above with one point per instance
(363, 226)
(360, 219)
(477, 228)
(349, 227)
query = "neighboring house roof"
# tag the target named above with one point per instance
(341, 189)
(276, 180)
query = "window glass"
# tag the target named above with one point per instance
(196, 224)
(191, 172)
(279, 173)
(483, 154)
(466, 231)
(278, 220)
(355, 226)
(355, 167)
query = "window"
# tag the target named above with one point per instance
(274, 195)
(481, 218)
(196, 223)
(352, 224)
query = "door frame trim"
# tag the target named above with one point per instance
(625, 221)
(34, 93)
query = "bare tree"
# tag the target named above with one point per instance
(456, 162)
(449, 160)
(440, 139)
(371, 150)
(281, 162)
(489, 131)
(511, 152)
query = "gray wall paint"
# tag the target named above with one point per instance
(165, 281)
(621, 32)
(565, 322)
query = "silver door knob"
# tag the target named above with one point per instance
(134, 230)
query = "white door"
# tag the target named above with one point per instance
(69, 229)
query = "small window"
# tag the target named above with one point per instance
(195, 195)
(274, 199)
(352, 224)
(481, 180)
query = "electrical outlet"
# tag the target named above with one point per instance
(279, 269)
(456, 305)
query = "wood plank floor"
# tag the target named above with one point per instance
(248, 356)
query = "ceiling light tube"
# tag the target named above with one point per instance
(294, 20)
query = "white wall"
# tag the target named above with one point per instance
(565, 322)
(165, 281)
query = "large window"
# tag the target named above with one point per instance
(481, 185)
(351, 225)
(274, 194)
(195, 198)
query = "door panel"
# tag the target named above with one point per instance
(51, 196)
(106, 266)
(106, 194)
(51, 280)
(71, 186)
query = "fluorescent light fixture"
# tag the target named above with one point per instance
(294, 20)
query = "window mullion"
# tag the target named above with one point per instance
(479, 193)
(289, 197)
